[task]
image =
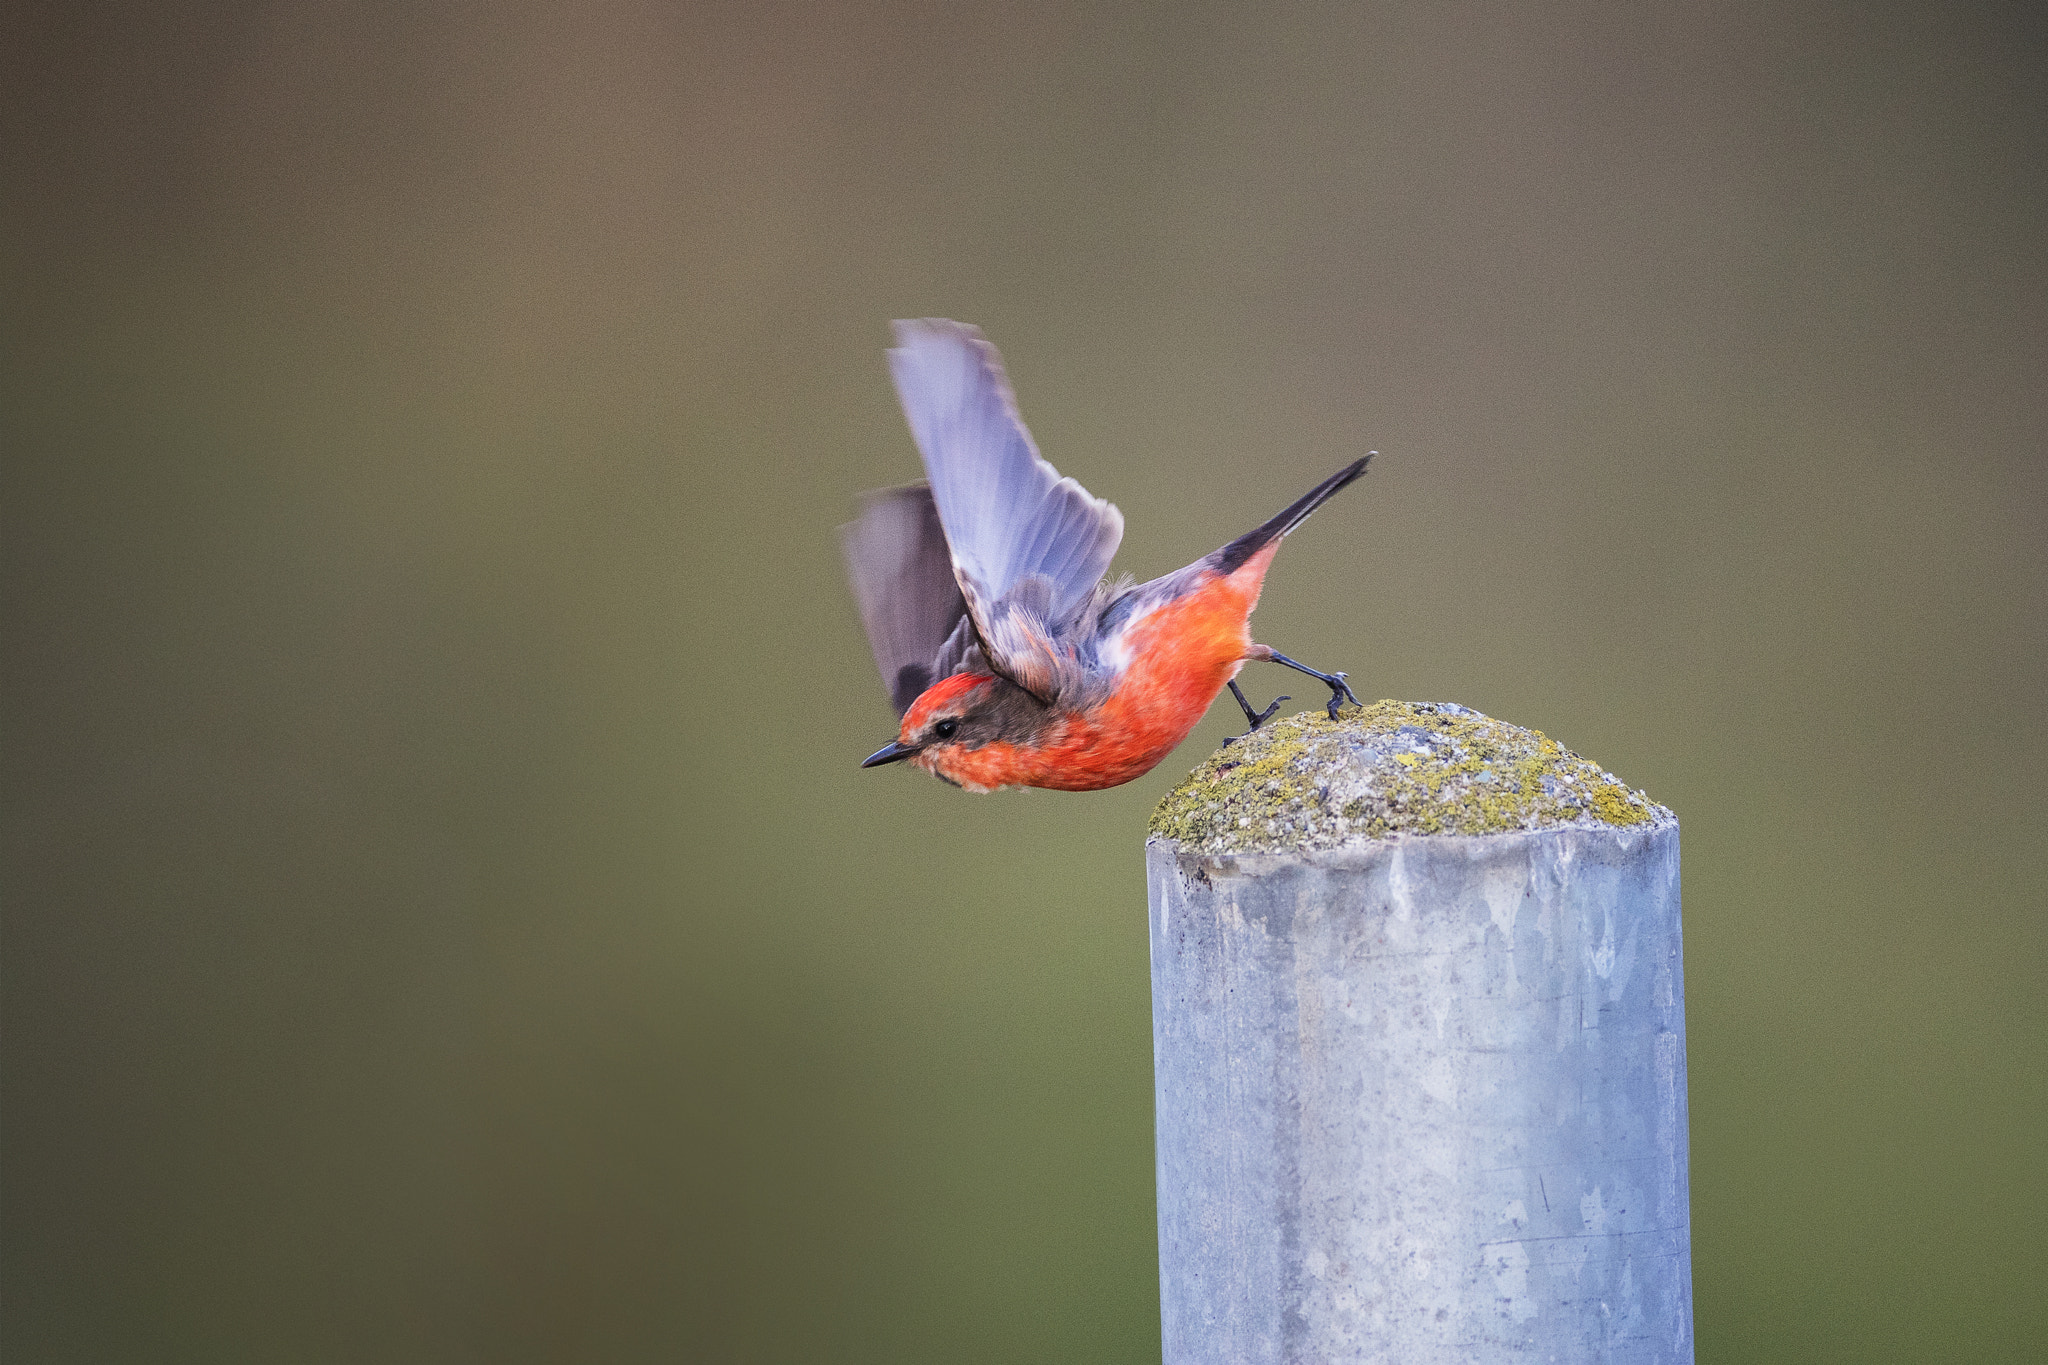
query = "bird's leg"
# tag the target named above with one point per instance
(1256, 718)
(1340, 691)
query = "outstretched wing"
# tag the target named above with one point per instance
(902, 576)
(1028, 547)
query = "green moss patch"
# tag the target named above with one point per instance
(1390, 768)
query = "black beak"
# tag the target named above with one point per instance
(888, 753)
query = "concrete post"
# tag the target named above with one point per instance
(1419, 1036)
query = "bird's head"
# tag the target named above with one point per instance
(963, 729)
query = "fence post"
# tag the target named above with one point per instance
(1419, 1043)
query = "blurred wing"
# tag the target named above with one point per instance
(902, 576)
(1009, 517)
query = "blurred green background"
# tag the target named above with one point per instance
(443, 917)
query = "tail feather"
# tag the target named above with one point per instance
(1231, 556)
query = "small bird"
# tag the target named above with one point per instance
(1009, 658)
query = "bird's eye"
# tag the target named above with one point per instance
(946, 729)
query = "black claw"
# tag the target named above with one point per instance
(1340, 690)
(1254, 718)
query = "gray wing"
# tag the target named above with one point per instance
(910, 603)
(1025, 542)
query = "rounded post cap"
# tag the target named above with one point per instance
(1385, 770)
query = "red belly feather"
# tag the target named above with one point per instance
(1181, 656)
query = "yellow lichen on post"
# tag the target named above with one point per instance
(1387, 769)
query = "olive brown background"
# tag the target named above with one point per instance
(443, 917)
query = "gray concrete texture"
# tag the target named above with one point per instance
(1422, 1098)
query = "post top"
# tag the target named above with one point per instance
(1387, 769)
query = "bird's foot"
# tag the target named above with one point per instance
(1340, 690)
(1253, 718)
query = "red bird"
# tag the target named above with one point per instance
(1009, 658)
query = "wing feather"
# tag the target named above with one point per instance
(1008, 515)
(910, 602)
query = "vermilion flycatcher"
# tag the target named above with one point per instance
(1009, 658)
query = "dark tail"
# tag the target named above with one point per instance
(1231, 556)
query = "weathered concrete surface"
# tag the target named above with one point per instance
(1422, 1098)
(1393, 767)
